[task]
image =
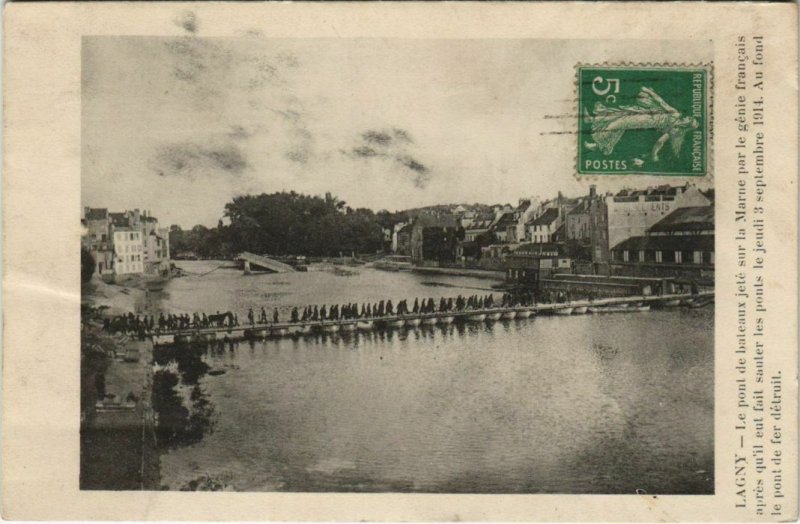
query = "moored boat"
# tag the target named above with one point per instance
(675, 302)
(479, 317)
(580, 310)
(349, 326)
(430, 321)
(509, 315)
(279, 332)
(524, 313)
(564, 311)
(295, 330)
(396, 323)
(365, 325)
(446, 320)
(331, 328)
(493, 316)
(413, 322)
(306, 329)
(616, 308)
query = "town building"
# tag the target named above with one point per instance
(476, 227)
(680, 245)
(531, 262)
(401, 239)
(97, 240)
(434, 239)
(587, 229)
(130, 242)
(632, 212)
(128, 251)
(542, 228)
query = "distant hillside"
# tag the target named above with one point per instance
(448, 208)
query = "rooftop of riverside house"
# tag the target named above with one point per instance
(699, 218)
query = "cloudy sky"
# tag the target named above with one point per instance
(180, 125)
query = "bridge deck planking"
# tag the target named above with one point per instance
(266, 262)
(240, 330)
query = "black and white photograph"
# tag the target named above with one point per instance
(373, 265)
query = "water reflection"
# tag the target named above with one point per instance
(585, 404)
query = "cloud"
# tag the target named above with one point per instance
(379, 138)
(392, 146)
(190, 160)
(239, 133)
(188, 21)
(299, 155)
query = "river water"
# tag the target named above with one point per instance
(584, 404)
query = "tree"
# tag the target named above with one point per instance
(87, 265)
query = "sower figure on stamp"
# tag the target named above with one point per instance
(609, 124)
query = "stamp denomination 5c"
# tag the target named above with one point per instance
(643, 120)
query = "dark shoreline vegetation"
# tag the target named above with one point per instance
(290, 223)
(178, 425)
(119, 450)
(287, 224)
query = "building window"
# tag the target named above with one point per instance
(625, 255)
(698, 257)
(659, 258)
(712, 258)
(641, 255)
(678, 257)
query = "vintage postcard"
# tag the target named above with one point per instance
(400, 261)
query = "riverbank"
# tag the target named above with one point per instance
(118, 447)
(461, 272)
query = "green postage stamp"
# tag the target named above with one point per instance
(647, 120)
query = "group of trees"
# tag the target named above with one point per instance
(288, 223)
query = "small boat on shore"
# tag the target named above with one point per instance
(564, 311)
(580, 310)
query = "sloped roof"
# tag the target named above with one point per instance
(96, 213)
(532, 248)
(546, 218)
(506, 220)
(119, 219)
(479, 224)
(667, 243)
(698, 218)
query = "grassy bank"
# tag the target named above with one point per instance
(118, 447)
